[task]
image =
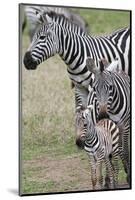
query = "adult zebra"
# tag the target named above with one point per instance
(101, 141)
(53, 38)
(112, 92)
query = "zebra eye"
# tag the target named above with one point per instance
(111, 87)
(42, 37)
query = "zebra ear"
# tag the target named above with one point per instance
(80, 108)
(105, 62)
(114, 66)
(48, 19)
(90, 64)
(90, 89)
(102, 67)
(40, 17)
(90, 107)
(87, 110)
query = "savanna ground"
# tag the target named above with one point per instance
(50, 160)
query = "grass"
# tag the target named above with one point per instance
(48, 131)
(104, 21)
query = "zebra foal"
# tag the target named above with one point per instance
(101, 141)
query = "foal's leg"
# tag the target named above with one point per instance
(96, 174)
(110, 172)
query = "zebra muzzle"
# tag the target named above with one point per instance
(103, 112)
(80, 141)
(29, 63)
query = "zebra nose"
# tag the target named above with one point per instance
(80, 141)
(28, 61)
(103, 111)
(103, 108)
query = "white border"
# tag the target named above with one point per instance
(9, 98)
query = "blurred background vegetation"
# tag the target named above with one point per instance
(50, 161)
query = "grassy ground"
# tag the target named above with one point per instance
(50, 160)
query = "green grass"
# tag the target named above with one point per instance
(48, 130)
(105, 21)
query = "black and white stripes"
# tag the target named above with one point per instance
(112, 91)
(101, 141)
(34, 15)
(75, 48)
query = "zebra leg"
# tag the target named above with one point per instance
(127, 156)
(96, 174)
(99, 184)
(93, 172)
(107, 180)
(110, 172)
(124, 154)
(116, 170)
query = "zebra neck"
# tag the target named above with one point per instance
(91, 128)
(73, 53)
(69, 45)
(92, 138)
(65, 23)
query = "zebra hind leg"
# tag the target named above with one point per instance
(124, 155)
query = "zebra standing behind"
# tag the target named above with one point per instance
(101, 142)
(112, 91)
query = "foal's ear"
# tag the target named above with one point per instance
(90, 89)
(102, 66)
(114, 66)
(80, 108)
(90, 64)
(90, 107)
(87, 111)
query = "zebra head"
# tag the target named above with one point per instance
(81, 125)
(85, 123)
(102, 85)
(42, 47)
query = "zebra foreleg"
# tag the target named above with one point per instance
(107, 180)
(110, 173)
(96, 174)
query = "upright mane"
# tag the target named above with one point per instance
(62, 19)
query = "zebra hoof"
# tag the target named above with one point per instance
(29, 63)
(107, 183)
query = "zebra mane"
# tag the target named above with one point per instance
(80, 108)
(54, 14)
(61, 18)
